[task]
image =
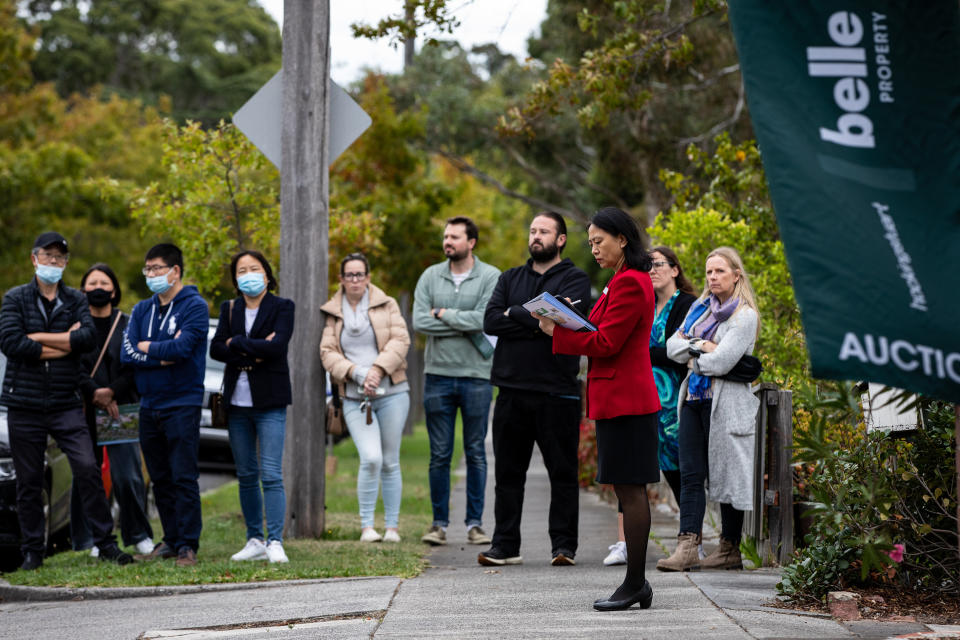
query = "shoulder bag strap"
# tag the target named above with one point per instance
(223, 380)
(336, 394)
(106, 343)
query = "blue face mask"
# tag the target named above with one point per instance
(158, 284)
(49, 273)
(252, 284)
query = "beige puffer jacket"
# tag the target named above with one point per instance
(389, 327)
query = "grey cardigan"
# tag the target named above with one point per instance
(733, 415)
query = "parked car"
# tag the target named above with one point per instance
(215, 450)
(56, 494)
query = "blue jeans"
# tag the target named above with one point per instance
(442, 396)
(247, 426)
(378, 445)
(170, 441)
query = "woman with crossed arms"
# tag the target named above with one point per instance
(717, 416)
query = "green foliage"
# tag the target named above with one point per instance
(725, 202)
(870, 491)
(69, 165)
(209, 56)
(750, 553)
(218, 196)
(16, 52)
(417, 15)
(640, 79)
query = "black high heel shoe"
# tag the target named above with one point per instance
(644, 596)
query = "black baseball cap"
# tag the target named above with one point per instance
(49, 238)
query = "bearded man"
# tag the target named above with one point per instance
(539, 395)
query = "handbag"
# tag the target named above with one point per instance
(99, 414)
(218, 408)
(335, 426)
(747, 369)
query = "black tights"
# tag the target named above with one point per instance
(636, 530)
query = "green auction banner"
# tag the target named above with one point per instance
(856, 109)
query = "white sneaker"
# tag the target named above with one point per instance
(617, 555)
(275, 552)
(95, 551)
(370, 535)
(391, 535)
(253, 550)
(145, 546)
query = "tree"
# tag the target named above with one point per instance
(644, 79)
(69, 165)
(209, 56)
(218, 195)
(725, 202)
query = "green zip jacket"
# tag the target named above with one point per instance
(450, 352)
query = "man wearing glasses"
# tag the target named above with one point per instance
(44, 327)
(166, 342)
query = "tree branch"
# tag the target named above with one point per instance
(703, 83)
(462, 165)
(669, 33)
(720, 126)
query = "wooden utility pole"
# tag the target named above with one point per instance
(304, 201)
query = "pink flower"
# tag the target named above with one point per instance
(897, 553)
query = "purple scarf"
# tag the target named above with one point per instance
(718, 313)
(699, 384)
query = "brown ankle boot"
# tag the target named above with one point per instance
(685, 556)
(726, 556)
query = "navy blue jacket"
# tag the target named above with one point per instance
(31, 383)
(270, 377)
(179, 384)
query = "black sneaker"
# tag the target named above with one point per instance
(563, 558)
(497, 557)
(32, 560)
(113, 553)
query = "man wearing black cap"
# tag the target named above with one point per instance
(44, 327)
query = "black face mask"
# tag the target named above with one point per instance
(99, 297)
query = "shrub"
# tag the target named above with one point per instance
(587, 453)
(872, 491)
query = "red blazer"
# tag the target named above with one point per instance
(619, 377)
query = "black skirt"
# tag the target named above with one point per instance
(627, 450)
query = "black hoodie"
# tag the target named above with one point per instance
(524, 357)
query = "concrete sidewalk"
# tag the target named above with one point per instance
(454, 598)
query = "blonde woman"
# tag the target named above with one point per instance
(364, 347)
(717, 416)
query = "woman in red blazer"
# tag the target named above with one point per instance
(621, 393)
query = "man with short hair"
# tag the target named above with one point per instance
(539, 395)
(166, 342)
(44, 327)
(448, 308)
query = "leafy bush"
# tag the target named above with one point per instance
(872, 491)
(725, 201)
(587, 453)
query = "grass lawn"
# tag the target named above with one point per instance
(338, 553)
